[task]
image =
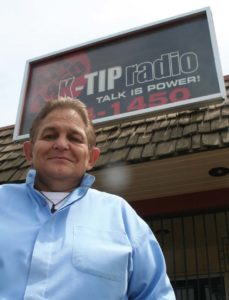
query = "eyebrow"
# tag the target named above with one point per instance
(48, 129)
(72, 131)
(51, 128)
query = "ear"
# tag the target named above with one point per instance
(94, 155)
(28, 151)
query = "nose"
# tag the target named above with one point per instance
(61, 144)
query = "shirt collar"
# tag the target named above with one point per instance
(86, 181)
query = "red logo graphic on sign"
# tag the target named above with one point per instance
(58, 78)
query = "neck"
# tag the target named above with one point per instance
(55, 185)
(55, 202)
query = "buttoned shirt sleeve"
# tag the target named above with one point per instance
(148, 279)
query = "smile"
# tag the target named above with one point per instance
(60, 158)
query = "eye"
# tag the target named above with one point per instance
(48, 137)
(76, 139)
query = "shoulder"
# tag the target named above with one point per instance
(105, 195)
(122, 212)
(11, 189)
(108, 199)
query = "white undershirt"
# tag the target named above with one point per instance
(56, 197)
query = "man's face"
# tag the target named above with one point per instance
(60, 153)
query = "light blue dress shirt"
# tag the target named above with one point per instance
(95, 247)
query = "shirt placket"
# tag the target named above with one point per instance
(41, 262)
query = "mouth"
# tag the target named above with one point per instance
(60, 158)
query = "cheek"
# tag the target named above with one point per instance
(82, 157)
(80, 151)
(38, 154)
(42, 148)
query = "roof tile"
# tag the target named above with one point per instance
(119, 155)
(7, 132)
(6, 175)
(150, 127)
(197, 117)
(161, 135)
(19, 175)
(103, 160)
(141, 128)
(219, 124)
(114, 134)
(1, 149)
(5, 156)
(225, 111)
(10, 164)
(6, 140)
(164, 124)
(132, 140)
(148, 150)
(190, 129)
(173, 122)
(161, 117)
(144, 139)
(127, 131)
(135, 153)
(212, 114)
(125, 124)
(102, 137)
(110, 128)
(155, 126)
(184, 119)
(172, 115)
(104, 147)
(137, 122)
(151, 119)
(204, 127)
(12, 147)
(183, 144)
(176, 132)
(196, 141)
(166, 148)
(119, 143)
(16, 154)
(225, 137)
(26, 164)
(211, 139)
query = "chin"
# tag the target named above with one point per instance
(63, 174)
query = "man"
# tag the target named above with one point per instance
(62, 240)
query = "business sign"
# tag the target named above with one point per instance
(161, 66)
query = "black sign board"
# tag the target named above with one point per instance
(161, 66)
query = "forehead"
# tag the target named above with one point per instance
(62, 118)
